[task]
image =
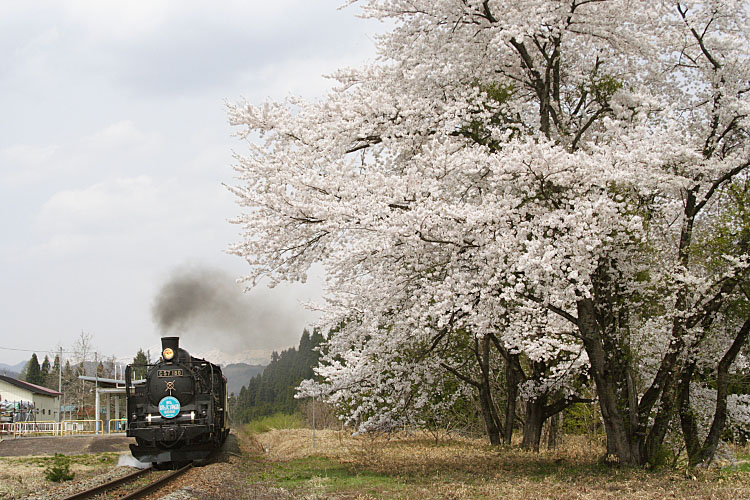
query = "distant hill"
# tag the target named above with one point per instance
(12, 370)
(239, 374)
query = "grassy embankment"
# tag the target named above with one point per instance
(415, 466)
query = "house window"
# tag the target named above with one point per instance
(42, 411)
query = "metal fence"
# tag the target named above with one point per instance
(64, 428)
(40, 428)
(117, 425)
(70, 427)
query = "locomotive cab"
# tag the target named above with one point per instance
(179, 414)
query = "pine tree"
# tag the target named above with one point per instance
(34, 371)
(273, 391)
(45, 371)
(53, 378)
(140, 364)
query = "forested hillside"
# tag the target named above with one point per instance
(237, 375)
(273, 390)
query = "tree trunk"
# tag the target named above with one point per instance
(483, 387)
(618, 438)
(705, 453)
(532, 427)
(490, 422)
(489, 411)
(514, 375)
(512, 379)
(688, 421)
(554, 431)
(654, 439)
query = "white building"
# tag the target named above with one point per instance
(46, 402)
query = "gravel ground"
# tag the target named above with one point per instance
(225, 478)
(69, 488)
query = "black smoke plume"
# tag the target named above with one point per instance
(206, 306)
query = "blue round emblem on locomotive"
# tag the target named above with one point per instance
(169, 407)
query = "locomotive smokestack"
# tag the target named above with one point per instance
(171, 343)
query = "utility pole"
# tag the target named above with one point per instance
(96, 388)
(59, 385)
(313, 412)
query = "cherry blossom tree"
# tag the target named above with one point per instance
(557, 156)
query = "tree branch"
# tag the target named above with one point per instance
(461, 375)
(560, 312)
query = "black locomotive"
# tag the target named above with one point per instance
(180, 412)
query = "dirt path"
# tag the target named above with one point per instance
(67, 445)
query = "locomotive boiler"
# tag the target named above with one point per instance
(181, 412)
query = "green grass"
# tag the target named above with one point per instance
(275, 421)
(325, 474)
(744, 463)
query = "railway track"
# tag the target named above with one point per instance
(139, 493)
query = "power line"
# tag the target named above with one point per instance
(58, 351)
(36, 350)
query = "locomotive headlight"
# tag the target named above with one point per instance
(168, 353)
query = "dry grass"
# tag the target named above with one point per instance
(414, 466)
(19, 476)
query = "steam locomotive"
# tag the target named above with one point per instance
(180, 412)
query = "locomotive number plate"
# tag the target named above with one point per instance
(169, 373)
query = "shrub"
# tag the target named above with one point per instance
(59, 469)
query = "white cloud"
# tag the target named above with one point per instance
(115, 149)
(139, 220)
(101, 205)
(125, 21)
(166, 48)
(120, 135)
(19, 163)
(82, 221)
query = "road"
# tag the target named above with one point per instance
(67, 445)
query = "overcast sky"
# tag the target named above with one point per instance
(114, 145)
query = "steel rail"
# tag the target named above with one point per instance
(96, 490)
(156, 484)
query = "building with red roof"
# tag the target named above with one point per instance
(18, 394)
